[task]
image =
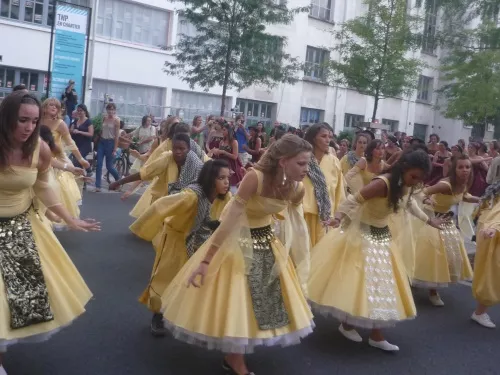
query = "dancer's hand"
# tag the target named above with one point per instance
(488, 233)
(114, 185)
(436, 223)
(126, 195)
(200, 271)
(77, 171)
(87, 225)
(85, 164)
(135, 154)
(334, 223)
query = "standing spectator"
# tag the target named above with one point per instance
(228, 150)
(69, 97)
(197, 130)
(146, 134)
(254, 144)
(242, 137)
(108, 145)
(82, 132)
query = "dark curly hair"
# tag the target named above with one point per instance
(410, 159)
(373, 145)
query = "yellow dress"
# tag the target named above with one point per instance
(440, 255)
(357, 274)
(67, 292)
(221, 314)
(69, 191)
(486, 282)
(176, 214)
(147, 197)
(330, 166)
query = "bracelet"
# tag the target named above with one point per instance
(205, 262)
(65, 166)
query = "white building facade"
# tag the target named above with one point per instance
(125, 63)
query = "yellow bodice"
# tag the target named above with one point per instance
(444, 202)
(376, 211)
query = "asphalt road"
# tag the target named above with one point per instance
(113, 337)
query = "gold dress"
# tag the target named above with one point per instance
(69, 191)
(167, 223)
(357, 273)
(330, 166)
(47, 293)
(147, 197)
(486, 282)
(243, 302)
(440, 255)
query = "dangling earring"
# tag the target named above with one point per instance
(400, 182)
(283, 182)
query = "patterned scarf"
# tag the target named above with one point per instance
(352, 158)
(320, 189)
(203, 227)
(491, 193)
(195, 147)
(188, 174)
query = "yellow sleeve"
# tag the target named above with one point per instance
(341, 187)
(218, 206)
(150, 223)
(155, 167)
(344, 165)
(43, 189)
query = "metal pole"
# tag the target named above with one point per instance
(90, 55)
(49, 69)
(86, 56)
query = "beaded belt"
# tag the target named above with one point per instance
(22, 273)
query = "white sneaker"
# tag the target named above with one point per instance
(2, 371)
(436, 300)
(351, 334)
(483, 319)
(383, 345)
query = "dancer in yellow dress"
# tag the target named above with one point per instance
(186, 219)
(40, 289)
(174, 169)
(357, 274)
(69, 191)
(441, 256)
(486, 283)
(247, 283)
(367, 167)
(351, 158)
(324, 183)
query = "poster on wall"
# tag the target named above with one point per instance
(68, 54)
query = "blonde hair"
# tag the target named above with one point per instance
(287, 146)
(52, 101)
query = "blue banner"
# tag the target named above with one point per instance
(70, 43)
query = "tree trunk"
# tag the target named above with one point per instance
(227, 70)
(375, 107)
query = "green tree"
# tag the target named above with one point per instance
(373, 52)
(232, 47)
(471, 65)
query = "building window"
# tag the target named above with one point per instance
(255, 112)
(350, 120)
(132, 101)
(424, 93)
(188, 104)
(321, 9)
(184, 27)
(310, 116)
(392, 124)
(133, 23)
(316, 60)
(10, 9)
(10, 77)
(420, 131)
(429, 36)
(39, 12)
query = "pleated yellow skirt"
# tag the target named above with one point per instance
(359, 283)
(486, 283)
(220, 314)
(68, 293)
(440, 257)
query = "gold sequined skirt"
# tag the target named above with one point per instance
(440, 257)
(67, 292)
(361, 281)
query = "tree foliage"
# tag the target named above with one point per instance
(232, 47)
(471, 61)
(374, 51)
